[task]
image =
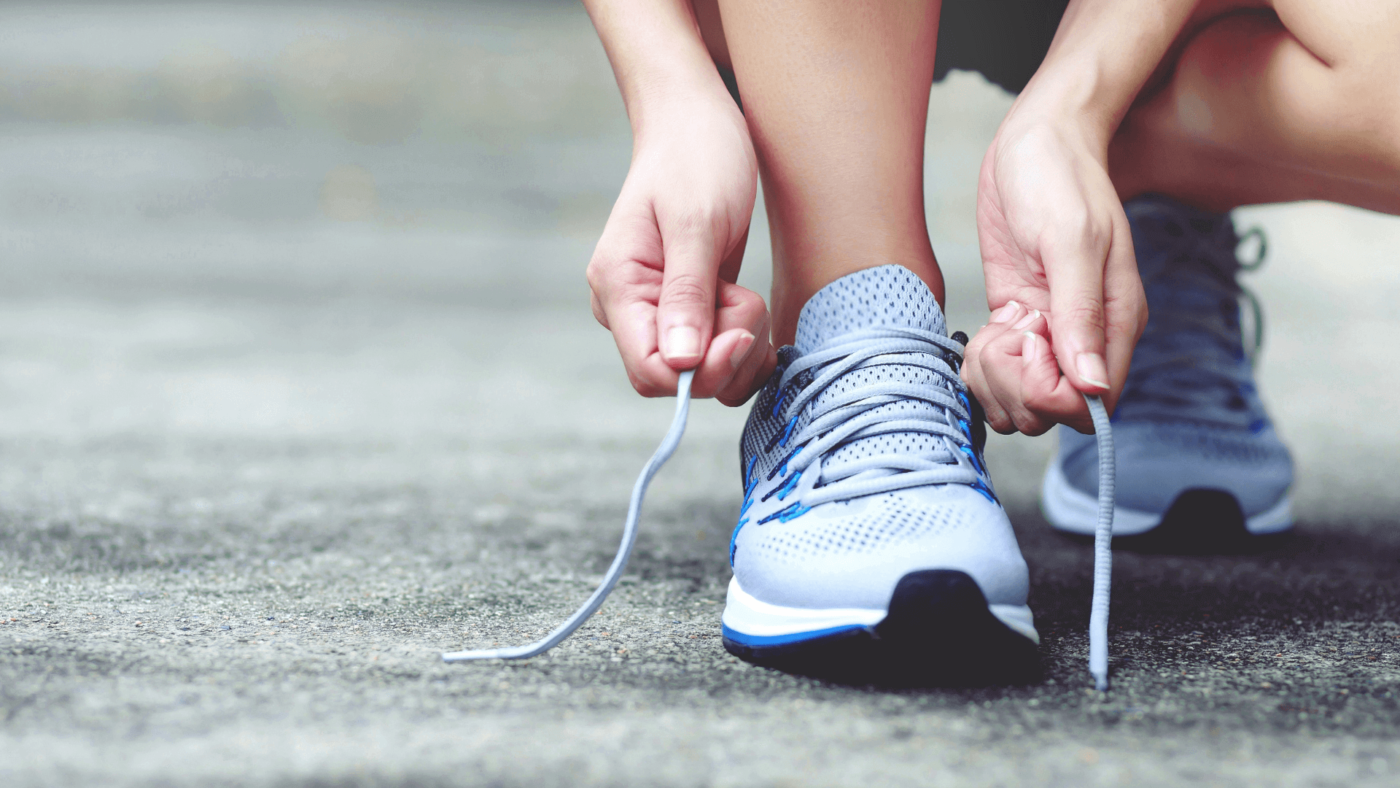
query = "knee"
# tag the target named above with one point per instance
(1352, 100)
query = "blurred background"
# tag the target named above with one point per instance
(332, 148)
(170, 165)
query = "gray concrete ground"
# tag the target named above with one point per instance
(298, 387)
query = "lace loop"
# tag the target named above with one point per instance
(840, 418)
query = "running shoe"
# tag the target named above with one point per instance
(871, 544)
(1200, 466)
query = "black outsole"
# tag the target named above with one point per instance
(939, 632)
(1201, 521)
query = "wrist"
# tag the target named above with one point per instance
(680, 110)
(1102, 55)
(678, 95)
(659, 57)
(1075, 100)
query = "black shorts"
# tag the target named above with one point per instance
(1004, 40)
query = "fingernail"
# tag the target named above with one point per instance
(682, 343)
(1028, 319)
(1030, 349)
(1006, 313)
(741, 351)
(1091, 369)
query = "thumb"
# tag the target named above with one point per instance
(1075, 274)
(686, 310)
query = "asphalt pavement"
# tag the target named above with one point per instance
(299, 388)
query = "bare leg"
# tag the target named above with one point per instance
(836, 95)
(1298, 102)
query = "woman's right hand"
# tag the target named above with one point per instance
(663, 274)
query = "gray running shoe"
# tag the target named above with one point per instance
(1200, 467)
(871, 543)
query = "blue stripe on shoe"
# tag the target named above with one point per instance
(779, 640)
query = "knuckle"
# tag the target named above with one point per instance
(693, 220)
(752, 304)
(1078, 226)
(594, 274)
(1027, 423)
(602, 272)
(642, 385)
(1036, 430)
(736, 394)
(1084, 311)
(1001, 424)
(1007, 344)
(1142, 312)
(1039, 400)
(1035, 400)
(686, 290)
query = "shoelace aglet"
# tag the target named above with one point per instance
(629, 538)
(1103, 547)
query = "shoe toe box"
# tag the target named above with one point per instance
(852, 554)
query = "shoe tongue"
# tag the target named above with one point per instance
(890, 295)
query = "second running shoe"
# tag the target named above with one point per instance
(871, 544)
(1200, 467)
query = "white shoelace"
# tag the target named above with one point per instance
(1103, 557)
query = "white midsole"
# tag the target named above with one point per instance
(1073, 510)
(744, 613)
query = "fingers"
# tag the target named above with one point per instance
(630, 298)
(753, 362)
(1013, 372)
(1125, 307)
(1074, 261)
(1046, 396)
(747, 380)
(625, 278)
(686, 311)
(733, 366)
(973, 374)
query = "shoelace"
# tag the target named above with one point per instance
(624, 552)
(837, 420)
(1103, 535)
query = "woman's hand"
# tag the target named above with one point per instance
(1061, 276)
(663, 274)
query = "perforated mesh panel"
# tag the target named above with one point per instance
(894, 521)
(1219, 445)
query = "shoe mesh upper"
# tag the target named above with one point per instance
(884, 296)
(890, 521)
(851, 552)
